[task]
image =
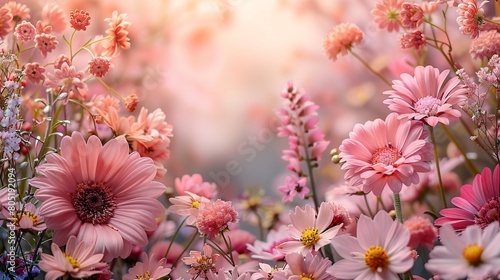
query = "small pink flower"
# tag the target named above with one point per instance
(79, 19)
(269, 250)
(341, 39)
(45, 43)
(477, 204)
(78, 260)
(386, 14)
(187, 205)
(411, 15)
(196, 185)
(69, 80)
(5, 19)
(118, 33)
(99, 66)
(147, 269)
(294, 186)
(131, 102)
(19, 11)
(200, 264)
(485, 45)
(34, 72)
(340, 215)
(54, 16)
(422, 232)
(214, 217)
(426, 96)
(26, 216)
(25, 32)
(470, 17)
(310, 230)
(309, 266)
(415, 39)
(60, 60)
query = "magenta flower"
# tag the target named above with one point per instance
(380, 250)
(477, 204)
(99, 194)
(147, 269)
(426, 97)
(386, 153)
(294, 186)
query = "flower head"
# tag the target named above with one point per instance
(380, 250)
(411, 15)
(25, 32)
(269, 250)
(99, 66)
(426, 97)
(5, 19)
(27, 217)
(187, 205)
(118, 33)
(307, 267)
(485, 45)
(341, 39)
(34, 72)
(422, 232)
(201, 264)
(196, 185)
(147, 269)
(386, 14)
(415, 39)
(477, 204)
(470, 17)
(79, 19)
(19, 11)
(45, 43)
(214, 217)
(99, 193)
(68, 79)
(55, 17)
(385, 153)
(294, 186)
(131, 102)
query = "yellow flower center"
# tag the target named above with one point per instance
(195, 204)
(145, 276)
(306, 277)
(309, 237)
(19, 215)
(376, 258)
(472, 254)
(73, 262)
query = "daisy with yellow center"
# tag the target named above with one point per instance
(26, 217)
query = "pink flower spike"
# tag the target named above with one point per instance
(147, 269)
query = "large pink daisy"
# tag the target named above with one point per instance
(99, 194)
(425, 96)
(478, 203)
(385, 153)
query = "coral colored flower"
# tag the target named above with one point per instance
(78, 260)
(55, 17)
(196, 185)
(341, 39)
(45, 43)
(60, 60)
(19, 11)
(415, 39)
(477, 204)
(386, 153)
(470, 17)
(101, 193)
(27, 217)
(147, 269)
(307, 267)
(310, 230)
(68, 79)
(294, 186)
(5, 19)
(386, 14)
(25, 32)
(473, 254)
(187, 205)
(34, 72)
(131, 102)
(426, 97)
(411, 15)
(380, 250)
(214, 217)
(269, 250)
(485, 45)
(422, 232)
(118, 33)
(99, 66)
(79, 19)
(200, 264)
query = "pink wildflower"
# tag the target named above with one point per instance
(214, 217)
(309, 266)
(187, 205)
(45, 43)
(5, 19)
(99, 192)
(415, 39)
(411, 15)
(340, 215)
(131, 102)
(310, 230)
(485, 45)
(54, 16)
(269, 250)
(386, 153)
(60, 60)
(99, 66)
(380, 250)
(426, 97)
(200, 264)
(294, 186)
(196, 185)
(422, 232)
(477, 204)
(68, 80)
(147, 269)
(78, 260)
(34, 72)
(470, 17)
(341, 39)
(118, 33)
(79, 19)
(25, 32)
(473, 254)
(27, 217)
(386, 14)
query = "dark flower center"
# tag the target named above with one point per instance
(93, 202)
(489, 213)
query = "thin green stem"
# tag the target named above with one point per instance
(185, 248)
(370, 68)
(438, 168)
(397, 207)
(175, 236)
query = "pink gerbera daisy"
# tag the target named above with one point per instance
(380, 250)
(386, 153)
(147, 269)
(478, 203)
(99, 194)
(310, 230)
(425, 96)
(386, 14)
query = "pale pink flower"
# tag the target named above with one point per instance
(5, 19)
(386, 153)
(309, 266)
(269, 272)
(19, 11)
(426, 96)
(78, 260)
(54, 16)
(101, 102)
(26, 216)
(101, 193)
(69, 80)
(411, 15)
(118, 33)
(201, 264)
(485, 45)
(147, 269)
(215, 217)
(60, 60)
(294, 186)
(422, 232)
(34, 72)
(187, 205)
(477, 204)
(25, 32)
(269, 250)
(470, 17)
(79, 19)
(380, 250)
(45, 43)
(310, 230)
(341, 39)
(99, 66)
(196, 185)
(415, 39)
(386, 14)
(473, 254)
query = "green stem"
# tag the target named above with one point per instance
(438, 169)
(370, 68)
(175, 236)
(185, 248)
(397, 207)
